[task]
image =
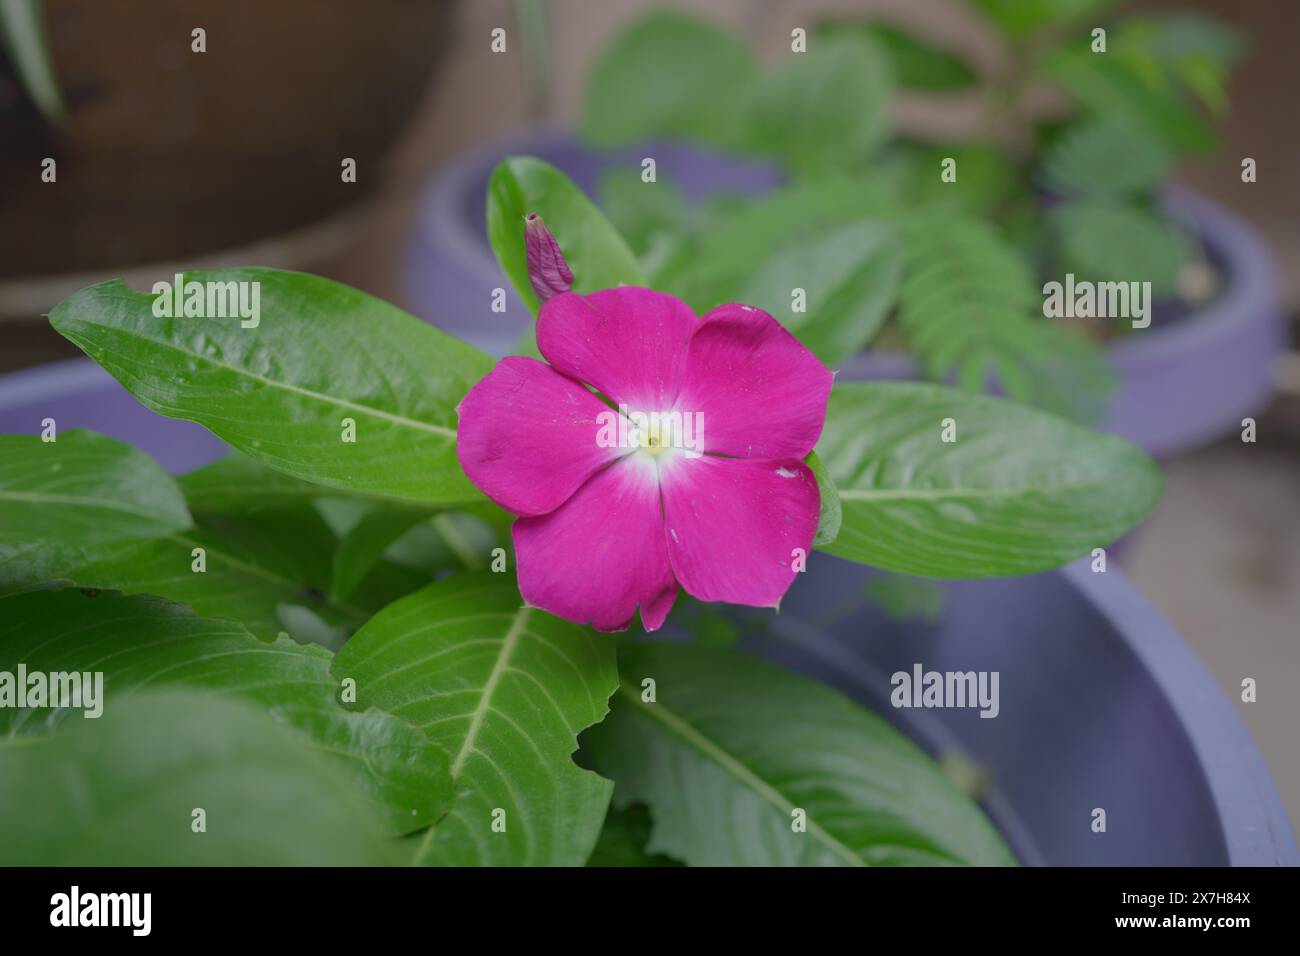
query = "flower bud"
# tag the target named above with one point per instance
(547, 270)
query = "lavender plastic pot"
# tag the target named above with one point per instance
(1101, 703)
(1181, 383)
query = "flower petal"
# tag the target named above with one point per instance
(627, 342)
(527, 436)
(601, 553)
(734, 525)
(760, 393)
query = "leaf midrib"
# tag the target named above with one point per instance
(508, 645)
(288, 387)
(735, 767)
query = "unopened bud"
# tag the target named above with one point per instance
(547, 270)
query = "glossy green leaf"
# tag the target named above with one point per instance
(505, 690)
(83, 490)
(1019, 491)
(593, 249)
(142, 643)
(322, 354)
(123, 791)
(825, 109)
(848, 280)
(668, 76)
(731, 748)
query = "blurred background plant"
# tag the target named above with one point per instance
(865, 209)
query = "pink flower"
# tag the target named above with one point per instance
(607, 525)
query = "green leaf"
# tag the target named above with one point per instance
(709, 625)
(1111, 87)
(903, 597)
(723, 770)
(239, 485)
(643, 213)
(22, 36)
(849, 277)
(364, 546)
(831, 515)
(1185, 50)
(596, 254)
(1104, 241)
(668, 75)
(987, 179)
(970, 307)
(141, 643)
(1019, 17)
(623, 839)
(916, 64)
(123, 790)
(825, 109)
(737, 245)
(1106, 158)
(83, 490)
(1174, 38)
(1018, 492)
(258, 570)
(322, 353)
(505, 690)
